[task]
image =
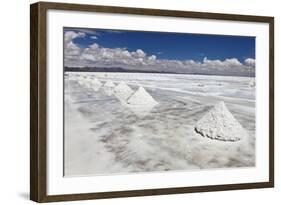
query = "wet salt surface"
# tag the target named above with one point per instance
(102, 136)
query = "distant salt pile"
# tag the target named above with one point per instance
(95, 81)
(220, 124)
(108, 88)
(87, 84)
(252, 83)
(109, 84)
(88, 77)
(69, 77)
(74, 77)
(122, 91)
(95, 84)
(142, 97)
(141, 102)
(81, 80)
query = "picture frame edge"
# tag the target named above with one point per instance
(37, 102)
(271, 102)
(153, 12)
(156, 192)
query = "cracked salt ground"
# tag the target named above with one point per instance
(104, 137)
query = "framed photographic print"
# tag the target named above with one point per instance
(134, 102)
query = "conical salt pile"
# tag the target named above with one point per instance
(95, 84)
(109, 84)
(80, 78)
(108, 88)
(122, 91)
(141, 103)
(83, 81)
(88, 79)
(220, 124)
(80, 82)
(95, 81)
(142, 97)
(252, 83)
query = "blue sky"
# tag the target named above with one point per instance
(163, 46)
(175, 46)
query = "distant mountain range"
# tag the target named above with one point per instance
(107, 69)
(124, 70)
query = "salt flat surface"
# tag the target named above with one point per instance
(103, 135)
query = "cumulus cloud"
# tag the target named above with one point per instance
(94, 37)
(83, 30)
(250, 62)
(139, 53)
(72, 51)
(98, 56)
(70, 35)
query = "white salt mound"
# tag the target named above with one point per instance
(123, 91)
(80, 78)
(141, 103)
(95, 81)
(108, 88)
(142, 97)
(109, 84)
(220, 124)
(75, 78)
(95, 84)
(87, 84)
(81, 82)
(252, 83)
(88, 79)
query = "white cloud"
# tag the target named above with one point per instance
(94, 37)
(232, 62)
(90, 57)
(94, 46)
(70, 35)
(84, 30)
(95, 55)
(250, 62)
(140, 53)
(212, 62)
(152, 58)
(72, 52)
